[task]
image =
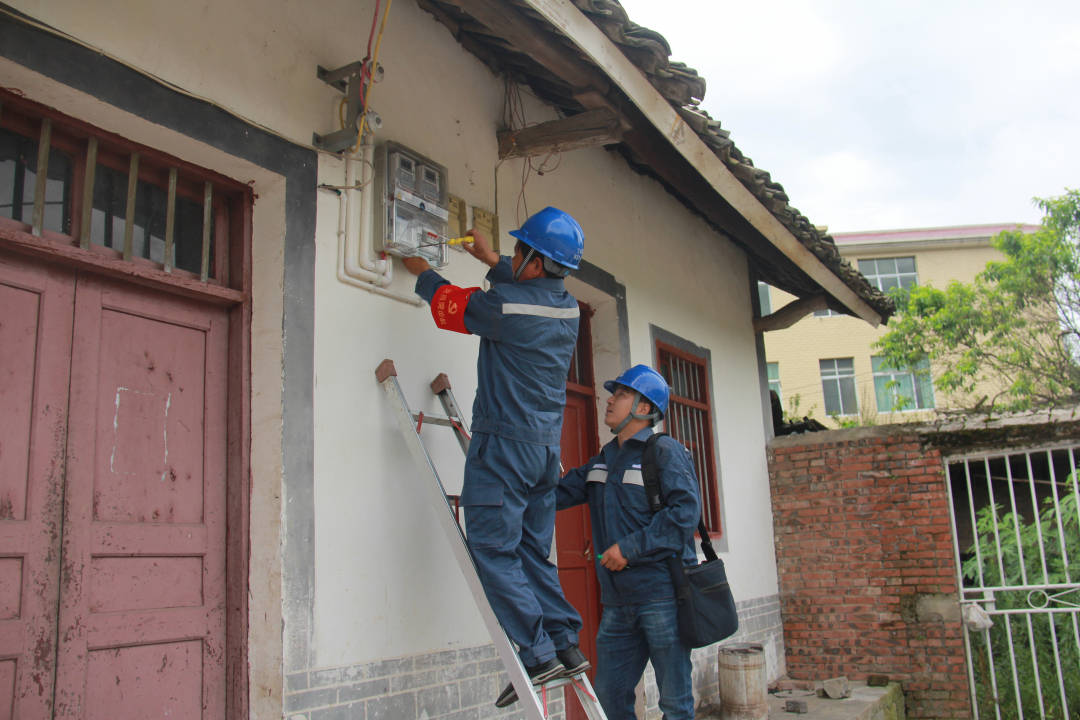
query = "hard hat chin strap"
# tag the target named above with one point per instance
(524, 261)
(632, 415)
(555, 268)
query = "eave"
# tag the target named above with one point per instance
(566, 53)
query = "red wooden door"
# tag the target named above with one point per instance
(112, 499)
(35, 350)
(142, 611)
(573, 531)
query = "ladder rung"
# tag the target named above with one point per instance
(436, 419)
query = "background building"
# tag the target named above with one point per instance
(824, 364)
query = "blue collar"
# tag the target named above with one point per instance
(552, 284)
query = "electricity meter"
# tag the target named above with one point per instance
(415, 204)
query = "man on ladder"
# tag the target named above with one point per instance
(528, 325)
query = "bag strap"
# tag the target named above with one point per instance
(650, 472)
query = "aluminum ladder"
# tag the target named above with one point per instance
(535, 704)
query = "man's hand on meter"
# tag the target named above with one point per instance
(415, 265)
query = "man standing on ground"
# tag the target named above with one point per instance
(640, 621)
(528, 326)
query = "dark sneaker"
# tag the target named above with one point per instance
(573, 660)
(539, 674)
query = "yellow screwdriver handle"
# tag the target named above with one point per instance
(458, 241)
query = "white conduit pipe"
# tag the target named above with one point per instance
(356, 265)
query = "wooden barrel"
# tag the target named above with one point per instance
(743, 683)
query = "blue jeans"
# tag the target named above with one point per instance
(631, 635)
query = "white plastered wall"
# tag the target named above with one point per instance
(384, 584)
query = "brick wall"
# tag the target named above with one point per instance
(462, 684)
(448, 685)
(867, 575)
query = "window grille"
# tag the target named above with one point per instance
(64, 181)
(838, 385)
(689, 420)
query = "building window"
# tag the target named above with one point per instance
(689, 420)
(888, 273)
(183, 219)
(898, 390)
(764, 301)
(838, 384)
(773, 370)
(827, 313)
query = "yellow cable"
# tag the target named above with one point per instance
(371, 80)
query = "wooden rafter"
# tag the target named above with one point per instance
(587, 129)
(790, 314)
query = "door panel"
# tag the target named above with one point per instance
(35, 349)
(141, 617)
(573, 539)
(573, 530)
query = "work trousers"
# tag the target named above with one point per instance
(509, 502)
(629, 637)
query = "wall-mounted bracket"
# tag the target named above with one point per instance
(348, 79)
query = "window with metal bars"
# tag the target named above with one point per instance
(689, 420)
(64, 181)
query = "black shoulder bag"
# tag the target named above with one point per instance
(706, 608)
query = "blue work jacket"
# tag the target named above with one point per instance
(527, 331)
(614, 487)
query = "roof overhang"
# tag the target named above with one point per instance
(571, 62)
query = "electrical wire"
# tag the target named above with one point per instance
(371, 79)
(514, 119)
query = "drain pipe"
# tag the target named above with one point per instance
(356, 265)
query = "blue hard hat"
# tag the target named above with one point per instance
(553, 234)
(646, 381)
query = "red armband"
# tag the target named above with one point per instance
(448, 307)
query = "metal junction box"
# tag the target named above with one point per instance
(415, 206)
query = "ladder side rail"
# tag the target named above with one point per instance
(441, 387)
(518, 677)
(587, 696)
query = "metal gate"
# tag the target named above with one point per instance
(1016, 535)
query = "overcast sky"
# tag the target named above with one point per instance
(880, 115)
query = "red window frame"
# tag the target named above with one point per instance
(689, 420)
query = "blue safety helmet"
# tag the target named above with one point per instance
(555, 235)
(648, 383)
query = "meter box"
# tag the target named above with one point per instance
(415, 211)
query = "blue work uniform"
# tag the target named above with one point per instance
(639, 621)
(528, 331)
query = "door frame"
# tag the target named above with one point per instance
(43, 64)
(55, 250)
(238, 446)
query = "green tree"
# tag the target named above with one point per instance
(1015, 328)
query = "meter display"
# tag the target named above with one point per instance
(415, 204)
